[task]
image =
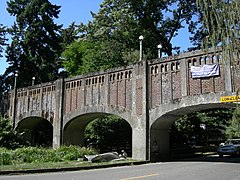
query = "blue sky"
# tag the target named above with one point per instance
(76, 11)
(71, 11)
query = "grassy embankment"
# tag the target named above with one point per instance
(38, 157)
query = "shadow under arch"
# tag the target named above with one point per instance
(74, 129)
(159, 129)
(36, 131)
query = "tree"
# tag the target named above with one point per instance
(3, 39)
(36, 43)
(109, 133)
(233, 130)
(115, 30)
(157, 21)
(221, 20)
(9, 138)
(202, 127)
(69, 35)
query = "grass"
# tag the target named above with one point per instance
(31, 158)
(53, 165)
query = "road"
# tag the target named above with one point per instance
(197, 169)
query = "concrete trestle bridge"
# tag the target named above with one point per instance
(150, 95)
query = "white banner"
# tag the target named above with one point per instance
(206, 70)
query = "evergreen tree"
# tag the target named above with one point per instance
(3, 39)
(36, 42)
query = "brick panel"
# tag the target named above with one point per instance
(207, 85)
(176, 85)
(155, 90)
(129, 94)
(73, 99)
(194, 85)
(95, 92)
(102, 90)
(88, 95)
(113, 93)
(80, 97)
(121, 93)
(67, 101)
(139, 99)
(166, 87)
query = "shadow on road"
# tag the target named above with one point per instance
(212, 158)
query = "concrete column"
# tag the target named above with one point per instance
(106, 84)
(58, 115)
(140, 131)
(183, 69)
(139, 151)
(227, 70)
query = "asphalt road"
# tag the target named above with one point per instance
(191, 169)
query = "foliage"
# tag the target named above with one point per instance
(36, 41)
(109, 133)
(9, 138)
(82, 57)
(221, 20)
(112, 37)
(233, 130)
(40, 154)
(3, 39)
(201, 128)
(68, 35)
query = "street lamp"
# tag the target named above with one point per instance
(33, 79)
(141, 51)
(159, 50)
(15, 98)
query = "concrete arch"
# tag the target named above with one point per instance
(98, 111)
(36, 130)
(160, 123)
(49, 116)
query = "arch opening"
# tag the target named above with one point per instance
(36, 131)
(165, 142)
(101, 131)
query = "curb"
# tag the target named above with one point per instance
(31, 171)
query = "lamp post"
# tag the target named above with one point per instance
(33, 79)
(141, 51)
(15, 98)
(159, 50)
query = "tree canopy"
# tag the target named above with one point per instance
(115, 30)
(36, 42)
(3, 39)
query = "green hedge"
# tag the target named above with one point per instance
(39, 154)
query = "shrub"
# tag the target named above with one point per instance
(69, 153)
(5, 156)
(40, 154)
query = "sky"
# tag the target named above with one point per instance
(71, 11)
(75, 11)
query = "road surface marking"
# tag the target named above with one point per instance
(139, 177)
